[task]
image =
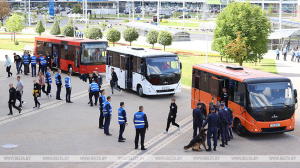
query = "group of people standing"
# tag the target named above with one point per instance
(295, 53)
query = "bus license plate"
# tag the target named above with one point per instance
(165, 88)
(274, 125)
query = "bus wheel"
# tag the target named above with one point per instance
(140, 91)
(239, 128)
(71, 70)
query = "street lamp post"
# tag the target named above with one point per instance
(183, 9)
(206, 29)
(29, 15)
(280, 15)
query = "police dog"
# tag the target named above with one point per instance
(197, 141)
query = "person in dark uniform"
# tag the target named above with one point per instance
(93, 91)
(211, 104)
(91, 78)
(58, 84)
(224, 96)
(217, 106)
(122, 121)
(114, 82)
(48, 59)
(141, 124)
(225, 120)
(107, 115)
(197, 119)
(36, 92)
(68, 86)
(99, 79)
(172, 116)
(18, 60)
(26, 62)
(12, 100)
(101, 105)
(213, 121)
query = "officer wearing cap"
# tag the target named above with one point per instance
(211, 104)
(213, 121)
(225, 121)
(197, 119)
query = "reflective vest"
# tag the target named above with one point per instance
(43, 60)
(48, 77)
(139, 120)
(297, 53)
(56, 78)
(33, 60)
(26, 60)
(67, 79)
(104, 109)
(94, 87)
(103, 101)
(121, 118)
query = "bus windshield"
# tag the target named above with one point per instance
(271, 94)
(93, 54)
(163, 65)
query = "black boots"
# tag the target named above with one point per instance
(226, 142)
(222, 145)
(215, 148)
(209, 149)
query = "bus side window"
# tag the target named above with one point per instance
(122, 62)
(231, 90)
(71, 55)
(239, 93)
(116, 59)
(138, 65)
(134, 64)
(195, 82)
(202, 81)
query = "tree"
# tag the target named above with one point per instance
(58, 18)
(270, 10)
(68, 30)
(152, 37)
(33, 16)
(165, 38)
(113, 35)
(14, 24)
(77, 8)
(237, 49)
(39, 7)
(103, 26)
(71, 22)
(69, 4)
(93, 33)
(175, 15)
(253, 24)
(46, 18)
(25, 18)
(130, 35)
(55, 29)
(205, 12)
(39, 28)
(4, 10)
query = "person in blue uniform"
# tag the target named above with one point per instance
(122, 117)
(33, 65)
(107, 115)
(277, 53)
(68, 86)
(197, 119)
(58, 83)
(225, 121)
(141, 124)
(93, 91)
(43, 64)
(101, 105)
(48, 80)
(26, 62)
(213, 121)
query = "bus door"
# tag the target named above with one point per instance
(128, 68)
(55, 55)
(197, 90)
(122, 73)
(214, 89)
(77, 56)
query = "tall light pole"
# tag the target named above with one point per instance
(133, 11)
(143, 8)
(29, 15)
(118, 9)
(158, 6)
(183, 9)
(280, 14)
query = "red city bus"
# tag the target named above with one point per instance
(262, 102)
(74, 55)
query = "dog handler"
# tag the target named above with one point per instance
(197, 119)
(213, 121)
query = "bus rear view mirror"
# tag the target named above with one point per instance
(295, 93)
(180, 65)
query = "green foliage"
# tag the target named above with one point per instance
(93, 33)
(271, 9)
(71, 22)
(39, 28)
(130, 35)
(113, 35)
(175, 15)
(14, 24)
(165, 21)
(126, 20)
(103, 26)
(46, 18)
(152, 37)
(77, 8)
(16, 43)
(16, 5)
(69, 4)
(68, 30)
(253, 24)
(25, 18)
(39, 7)
(33, 16)
(165, 38)
(55, 29)
(58, 18)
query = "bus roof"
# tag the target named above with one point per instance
(140, 52)
(58, 39)
(244, 75)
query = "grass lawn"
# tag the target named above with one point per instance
(267, 65)
(8, 44)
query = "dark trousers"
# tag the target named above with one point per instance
(173, 122)
(284, 58)
(26, 69)
(33, 70)
(196, 139)
(95, 94)
(277, 57)
(19, 97)
(43, 69)
(196, 126)
(122, 129)
(212, 131)
(101, 119)
(292, 57)
(224, 132)
(8, 71)
(58, 91)
(43, 90)
(106, 125)
(12, 104)
(48, 88)
(140, 132)
(68, 95)
(18, 67)
(36, 100)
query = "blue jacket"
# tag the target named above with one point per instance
(277, 51)
(101, 102)
(213, 120)
(197, 116)
(94, 87)
(122, 116)
(25, 59)
(139, 121)
(58, 79)
(107, 109)
(42, 60)
(48, 78)
(33, 60)
(224, 116)
(68, 82)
